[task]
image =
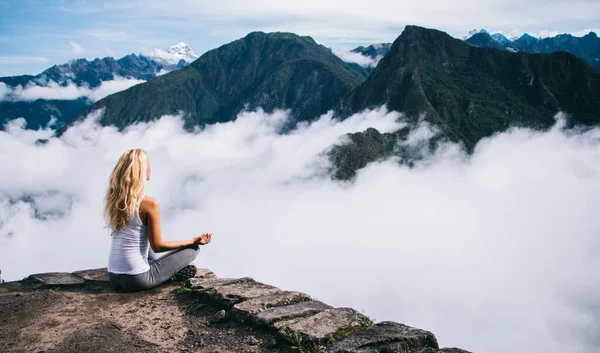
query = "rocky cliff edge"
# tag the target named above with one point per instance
(80, 312)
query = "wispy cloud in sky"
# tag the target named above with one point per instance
(77, 50)
(108, 35)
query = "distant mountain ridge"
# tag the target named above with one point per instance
(82, 73)
(586, 47)
(484, 40)
(93, 73)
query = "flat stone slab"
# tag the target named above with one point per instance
(278, 316)
(57, 279)
(209, 283)
(234, 293)
(387, 336)
(328, 326)
(443, 350)
(254, 306)
(97, 274)
(204, 273)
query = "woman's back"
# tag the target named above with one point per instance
(129, 248)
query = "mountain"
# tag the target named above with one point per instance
(80, 73)
(93, 73)
(500, 38)
(275, 70)
(183, 51)
(586, 47)
(39, 113)
(374, 51)
(484, 40)
(179, 54)
(467, 92)
(474, 32)
(526, 38)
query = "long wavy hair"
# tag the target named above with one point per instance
(125, 188)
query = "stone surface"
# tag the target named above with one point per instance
(253, 341)
(387, 336)
(209, 283)
(443, 350)
(254, 306)
(234, 293)
(56, 279)
(327, 326)
(277, 316)
(97, 274)
(218, 317)
(295, 321)
(204, 273)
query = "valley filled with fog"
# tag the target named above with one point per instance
(490, 251)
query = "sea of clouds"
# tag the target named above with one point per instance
(494, 252)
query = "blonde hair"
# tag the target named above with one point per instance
(125, 188)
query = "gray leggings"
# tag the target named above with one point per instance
(161, 269)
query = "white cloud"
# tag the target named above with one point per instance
(162, 55)
(108, 35)
(77, 50)
(53, 90)
(162, 72)
(492, 253)
(357, 58)
(107, 88)
(4, 91)
(110, 52)
(20, 60)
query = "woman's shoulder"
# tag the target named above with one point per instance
(148, 208)
(148, 202)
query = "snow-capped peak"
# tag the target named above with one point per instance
(183, 51)
(176, 53)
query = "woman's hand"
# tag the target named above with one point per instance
(203, 239)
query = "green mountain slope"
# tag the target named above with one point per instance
(470, 93)
(275, 70)
(79, 72)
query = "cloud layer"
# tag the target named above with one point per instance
(496, 252)
(352, 57)
(52, 90)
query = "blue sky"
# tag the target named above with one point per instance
(36, 34)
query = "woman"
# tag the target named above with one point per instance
(134, 221)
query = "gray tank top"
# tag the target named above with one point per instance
(129, 247)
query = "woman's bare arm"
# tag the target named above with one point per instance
(151, 209)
